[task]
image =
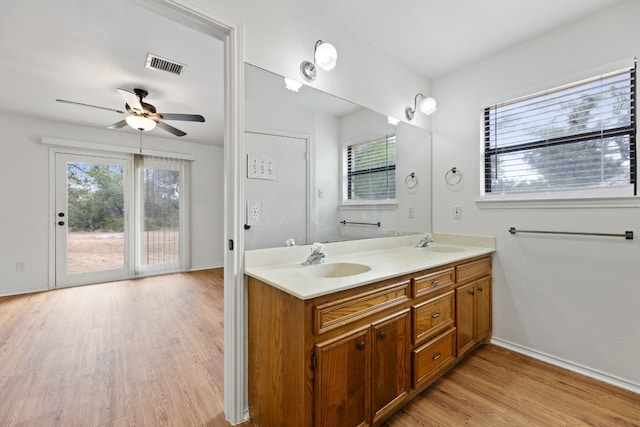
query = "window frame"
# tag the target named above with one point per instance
(581, 192)
(348, 174)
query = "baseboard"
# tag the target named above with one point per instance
(568, 365)
(215, 267)
(12, 292)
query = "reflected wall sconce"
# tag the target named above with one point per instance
(325, 57)
(427, 105)
(292, 85)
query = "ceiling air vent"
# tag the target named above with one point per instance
(157, 63)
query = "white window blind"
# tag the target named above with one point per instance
(578, 136)
(371, 169)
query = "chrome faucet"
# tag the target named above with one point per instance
(425, 241)
(317, 254)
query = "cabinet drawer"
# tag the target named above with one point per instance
(473, 270)
(433, 316)
(340, 312)
(431, 358)
(428, 282)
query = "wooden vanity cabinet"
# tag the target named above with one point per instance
(353, 357)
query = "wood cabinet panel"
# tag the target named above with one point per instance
(438, 279)
(340, 312)
(390, 380)
(465, 300)
(433, 357)
(433, 316)
(483, 308)
(473, 270)
(343, 372)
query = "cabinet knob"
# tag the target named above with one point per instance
(435, 283)
(360, 345)
(437, 356)
(471, 293)
(382, 335)
(435, 316)
(479, 289)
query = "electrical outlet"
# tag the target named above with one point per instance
(254, 212)
(20, 266)
(457, 212)
(412, 213)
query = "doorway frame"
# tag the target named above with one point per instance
(236, 406)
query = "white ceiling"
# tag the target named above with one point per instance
(82, 50)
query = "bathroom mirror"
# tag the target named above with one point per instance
(296, 168)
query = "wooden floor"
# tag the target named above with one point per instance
(497, 387)
(149, 352)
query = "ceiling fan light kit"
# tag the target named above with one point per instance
(141, 123)
(143, 116)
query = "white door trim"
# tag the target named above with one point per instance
(236, 406)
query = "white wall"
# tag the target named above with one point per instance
(24, 217)
(572, 299)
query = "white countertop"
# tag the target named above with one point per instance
(387, 257)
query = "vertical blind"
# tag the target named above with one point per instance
(162, 189)
(572, 137)
(371, 169)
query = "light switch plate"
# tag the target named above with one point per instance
(261, 166)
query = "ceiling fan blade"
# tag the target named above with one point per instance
(89, 105)
(119, 125)
(131, 99)
(185, 117)
(171, 129)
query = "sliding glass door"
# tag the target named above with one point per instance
(161, 221)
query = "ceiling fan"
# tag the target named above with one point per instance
(143, 116)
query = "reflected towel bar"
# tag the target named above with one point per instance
(345, 222)
(627, 234)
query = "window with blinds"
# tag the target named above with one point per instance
(371, 170)
(579, 136)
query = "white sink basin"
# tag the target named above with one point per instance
(338, 269)
(444, 249)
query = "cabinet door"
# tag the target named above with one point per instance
(483, 308)
(390, 364)
(342, 378)
(465, 314)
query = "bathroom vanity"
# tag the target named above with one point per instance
(347, 342)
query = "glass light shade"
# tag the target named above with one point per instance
(326, 56)
(392, 120)
(428, 106)
(140, 122)
(292, 85)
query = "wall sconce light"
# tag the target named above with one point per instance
(292, 85)
(428, 106)
(392, 121)
(140, 123)
(325, 56)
